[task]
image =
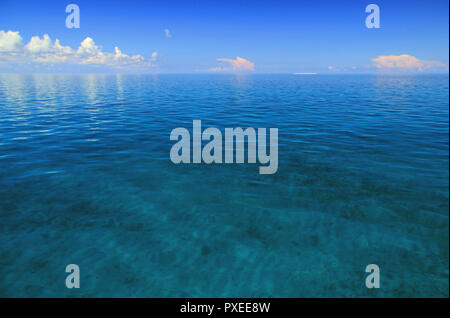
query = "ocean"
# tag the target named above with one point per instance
(86, 178)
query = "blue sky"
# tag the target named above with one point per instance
(272, 36)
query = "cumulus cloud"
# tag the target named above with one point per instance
(167, 33)
(404, 62)
(237, 64)
(10, 41)
(45, 51)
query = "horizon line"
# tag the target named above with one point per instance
(210, 73)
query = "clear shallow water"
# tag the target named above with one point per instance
(85, 178)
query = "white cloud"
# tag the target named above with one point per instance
(404, 62)
(237, 64)
(62, 49)
(38, 45)
(10, 41)
(167, 33)
(88, 47)
(340, 69)
(44, 51)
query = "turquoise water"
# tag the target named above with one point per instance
(86, 178)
